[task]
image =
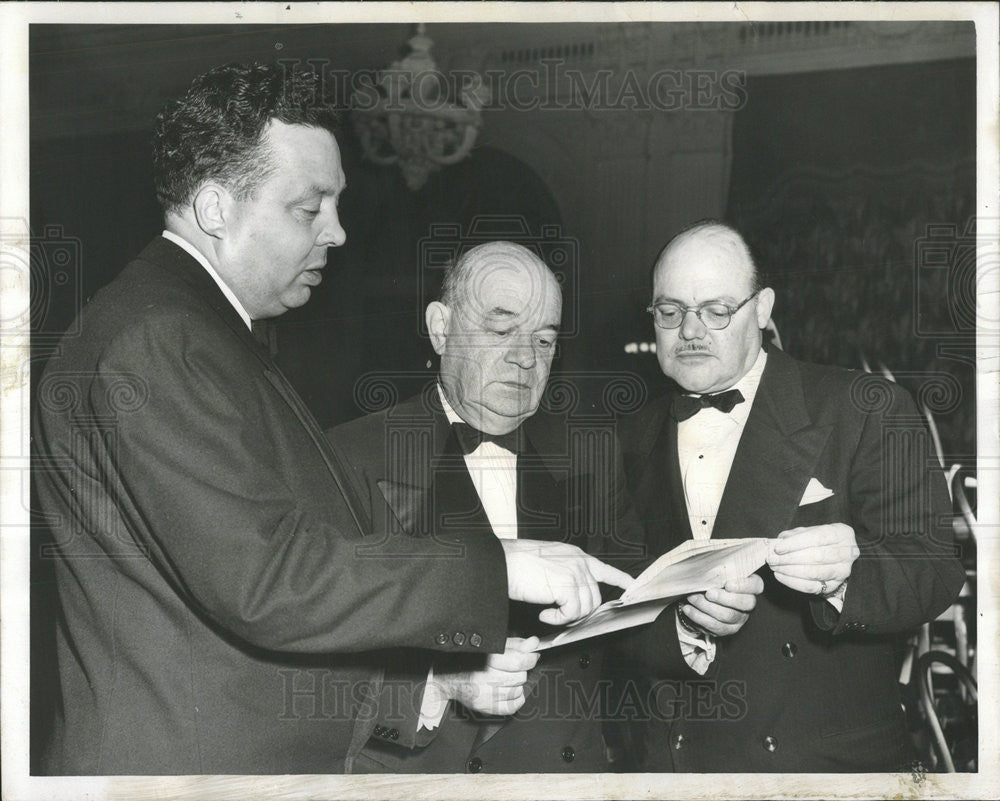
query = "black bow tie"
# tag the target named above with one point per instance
(470, 438)
(685, 406)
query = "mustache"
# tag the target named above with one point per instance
(692, 348)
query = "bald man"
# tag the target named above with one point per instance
(749, 442)
(472, 456)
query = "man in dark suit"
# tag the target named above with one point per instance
(472, 454)
(757, 444)
(219, 607)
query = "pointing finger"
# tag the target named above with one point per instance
(607, 574)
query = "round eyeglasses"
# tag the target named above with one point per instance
(715, 314)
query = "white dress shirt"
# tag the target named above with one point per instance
(198, 256)
(493, 471)
(706, 446)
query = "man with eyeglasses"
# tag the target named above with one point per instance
(753, 443)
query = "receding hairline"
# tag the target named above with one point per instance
(458, 276)
(723, 238)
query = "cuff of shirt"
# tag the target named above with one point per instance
(698, 650)
(433, 705)
(837, 599)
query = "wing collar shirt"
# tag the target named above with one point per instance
(706, 446)
(198, 256)
(493, 471)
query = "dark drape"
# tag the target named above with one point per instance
(856, 191)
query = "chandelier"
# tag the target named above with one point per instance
(420, 122)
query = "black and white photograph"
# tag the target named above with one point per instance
(417, 400)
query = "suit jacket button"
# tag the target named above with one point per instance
(584, 660)
(770, 743)
(568, 754)
(441, 639)
(458, 638)
(679, 741)
(789, 649)
(475, 765)
(862, 626)
(475, 640)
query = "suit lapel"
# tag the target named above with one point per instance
(776, 456)
(676, 501)
(185, 269)
(413, 438)
(541, 485)
(658, 486)
(427, 484)
(456, 503)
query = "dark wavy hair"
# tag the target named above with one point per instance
(215, 131)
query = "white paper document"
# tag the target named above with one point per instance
(693, 566)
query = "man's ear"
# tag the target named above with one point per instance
(438, 317)
(765, 304)
(211, 205)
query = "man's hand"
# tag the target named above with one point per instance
(560, 574)
(723, 612)
(497, 689)
(814, 559)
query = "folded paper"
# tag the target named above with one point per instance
(694, 566)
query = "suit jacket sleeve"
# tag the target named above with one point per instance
(400, 694)
(908, 571)
(202, 472)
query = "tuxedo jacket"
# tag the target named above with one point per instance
(799, 687)
(219, 611)
(415, 484)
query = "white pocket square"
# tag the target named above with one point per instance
(814, 493)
